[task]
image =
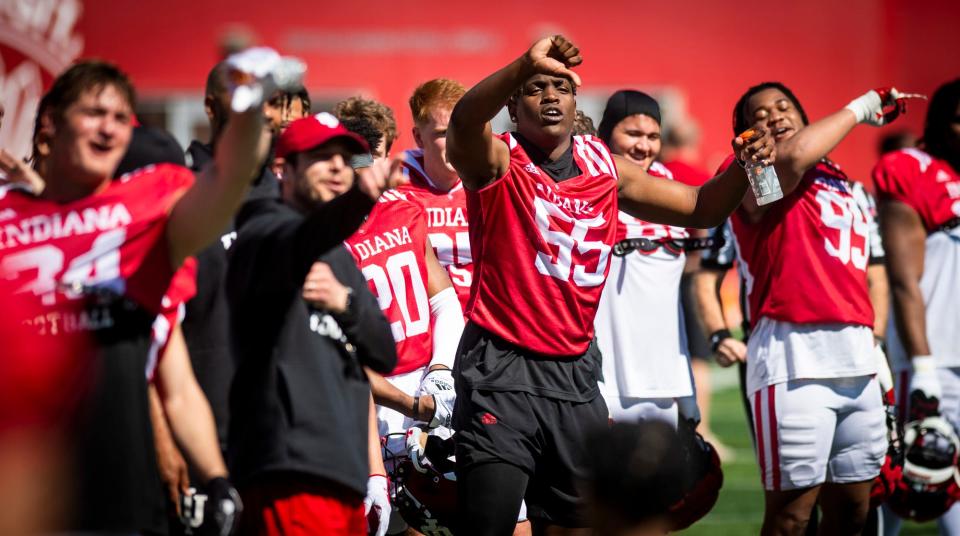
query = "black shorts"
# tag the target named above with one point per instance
(543, 435)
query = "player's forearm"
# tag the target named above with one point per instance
(374, 452)
(911, 318)
(387, 395)
(204, 211)
(879, 298)
(719, 197)
(192, 424)
(706, 289)
(485, 100)
(809, 145)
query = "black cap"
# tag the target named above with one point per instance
(623, 104)
(150, 145)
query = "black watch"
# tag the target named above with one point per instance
(717, 337)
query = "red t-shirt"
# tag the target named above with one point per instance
(541, 249)
(390, 250)
(929, 186)
(805, 261)
(114, 240)
(446, 214)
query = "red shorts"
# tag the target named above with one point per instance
(292, 508)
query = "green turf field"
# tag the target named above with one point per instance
(740, 508)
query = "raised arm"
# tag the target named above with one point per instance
(674, 203)
(202, 213)
(813, 142)
(476, 154)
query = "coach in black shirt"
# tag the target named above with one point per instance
(299, 402)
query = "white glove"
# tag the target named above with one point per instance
(436, 381)
(443, 409)
(884, 376)
(255, 73)
(439, 383)
(924, 377)
(869, 107)
(416, 443)
(688, 409)
(376, 505)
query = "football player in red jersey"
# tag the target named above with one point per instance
(436, 183)
(919, 193)
(811, 359)
(543, 210)
(113, 246)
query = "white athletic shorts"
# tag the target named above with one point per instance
(627, 409)
(394, 422)
(815, 431)
(949, 399)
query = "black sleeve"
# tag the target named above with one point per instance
(363, 323)
(283, 244)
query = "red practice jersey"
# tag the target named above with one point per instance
(541, 249)
(630, 227)
(927, 185)
(182, 289)
(114, 241)
(805, 261)
(446, 214)
(390, 250)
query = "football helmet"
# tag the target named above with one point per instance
(706, 478)
(425, 483)
(928, 486)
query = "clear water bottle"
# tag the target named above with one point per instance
(764, 182)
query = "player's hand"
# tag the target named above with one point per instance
(322, 289)
(689, 410)
(881, 106)
(376, 505)
(755, 145)
(416, 446)
(173, 472)
(555, 55)
(223, 505)
(382, 175)
(15, 170)
(439, 383)
(254, 74)
(925, 392)
(731, 351)
(884, 376)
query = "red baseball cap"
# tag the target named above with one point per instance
(309, 132)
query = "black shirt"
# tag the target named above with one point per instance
(206, 326)
(300, 399)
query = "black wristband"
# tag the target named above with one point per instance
(717, 337)
(416, 407)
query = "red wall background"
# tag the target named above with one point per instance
(827, 51)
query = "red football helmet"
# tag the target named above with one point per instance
(426, 487)
(707, 479)
(928, 486)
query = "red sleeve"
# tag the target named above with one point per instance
(894, 176)
(687, 174)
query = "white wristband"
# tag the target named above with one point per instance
(866, 106)
(923, 364)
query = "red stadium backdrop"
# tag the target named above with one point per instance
(697, 56)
